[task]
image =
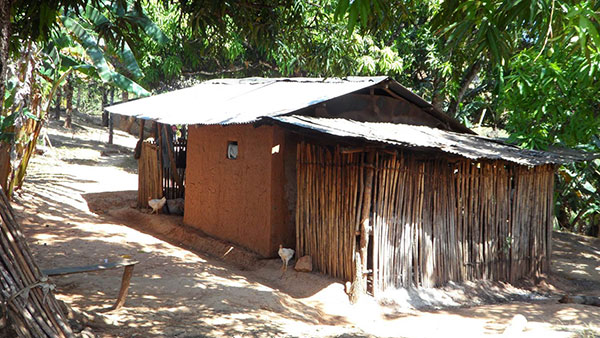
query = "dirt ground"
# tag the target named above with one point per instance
(77, 207)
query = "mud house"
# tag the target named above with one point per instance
(350, 169)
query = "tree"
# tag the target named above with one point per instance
(528, 66)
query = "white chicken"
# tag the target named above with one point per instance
(286, 255)
(157, 204)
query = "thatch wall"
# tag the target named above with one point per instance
(433, 220)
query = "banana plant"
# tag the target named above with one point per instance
(107, 44)
(84, 43)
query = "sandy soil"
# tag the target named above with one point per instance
(78, 208)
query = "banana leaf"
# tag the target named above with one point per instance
(95, 53)
(124, 52)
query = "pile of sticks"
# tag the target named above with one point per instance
(29, 308)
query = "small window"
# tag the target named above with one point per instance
(232, 150)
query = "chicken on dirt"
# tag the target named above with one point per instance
(156, 204)
(286, 255)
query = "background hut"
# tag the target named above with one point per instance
(361, 165)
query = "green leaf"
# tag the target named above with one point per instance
(352, 17)
(92, 14)
(97, 56)
(591, 30)
(128, 85)
(151, 29)
(492, 44)
(90, 45)
(341, 8)
(124, 53)
(589, 187)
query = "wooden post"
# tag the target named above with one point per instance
(142, 122)
(138, 147)
(110, 118)
(365, 217)
(110, 128)
(103, 105)
(356, 289)
(124, 287)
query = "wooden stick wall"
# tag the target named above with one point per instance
(433, 220)
(328, 205)
(149, 175)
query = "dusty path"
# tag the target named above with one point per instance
(182, 293)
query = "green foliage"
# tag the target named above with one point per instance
(107, 34)
(552, 100)
(578, 196)
(368, 14)
(34, 20)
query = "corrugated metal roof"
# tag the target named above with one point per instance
(230, 101)
(466, 145)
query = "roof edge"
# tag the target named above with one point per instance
(426, 106)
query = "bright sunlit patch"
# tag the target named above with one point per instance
(46, 238)
(200, 286)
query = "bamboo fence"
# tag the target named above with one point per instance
(149, 175)
(328, 204)
(28, 308)
(433, 220)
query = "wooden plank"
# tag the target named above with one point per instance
(89, 268)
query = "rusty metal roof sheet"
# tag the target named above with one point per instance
(466, 145)
(231, 101)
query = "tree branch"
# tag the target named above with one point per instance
(464, 85)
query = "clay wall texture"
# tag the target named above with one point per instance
(243, 200)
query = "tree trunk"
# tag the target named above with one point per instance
(5, 167)
(464, 86)
(437, 100)
(5, 32)
(59, 93)
(69, 97)
(110, 118)
(78, 104)
(104, 104)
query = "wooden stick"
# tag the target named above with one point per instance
(366, 216)
(127, 273)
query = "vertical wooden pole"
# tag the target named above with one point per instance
(365, 217)
(141, 135)
(110, 119)
(125, 281)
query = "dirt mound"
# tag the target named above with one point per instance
(171, 229)
(102, 202)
